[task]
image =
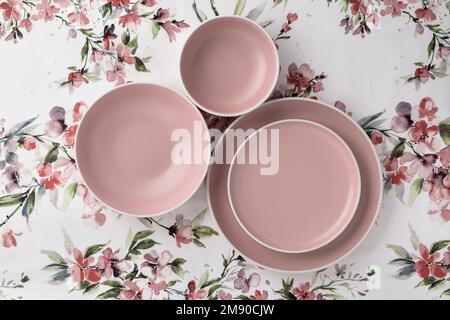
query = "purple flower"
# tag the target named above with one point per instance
(244, 282)
(16, 176)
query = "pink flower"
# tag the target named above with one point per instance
(442, 207)
(286, 27)
(29, 143)
(46, 11)
(116, 3)
(110, 262)
(157, 265)
(149, 3)
(64, 169)
(444, 157)
(376, 137)
(302, 292)
(157, 287)
(124, 54)
(374, 21)
(172, 28)
(69, 136)
(108, 36)
(63, 3)
(437, 185)
(223, 295)
(292, 17)
(426, 14)
(80, 270)
(182, 230)
(78, 18)
(317, 87)
(393, 7)
(446, 259)
(300, 75)
(244, 282)
(11, 8)
(427, 109)
(131, 19)
(131, 291)
(193, 293)
(14, 177)
(427, 264)
(9, 239)
(117, 74)
(27, 24)
(424, 136)
(162, 14)
(421, 164)
(395, 174)
(260, 295)
(443, 52)
(359, 6)
(76, 79)
(423, 74)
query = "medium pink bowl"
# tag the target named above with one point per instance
(124, 149)
(229, 66)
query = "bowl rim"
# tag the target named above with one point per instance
(275, 75)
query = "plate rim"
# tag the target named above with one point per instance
(199, 183)
(380, 197)
(353, 159)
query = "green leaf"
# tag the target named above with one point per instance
(444, 129)
(446, 293)
(239, 8)
(242, 297)
(364, 122)
(178, 262)
(178, 270)
(109, 294)
(85, 50)
(69, 194)
(54, 256)
(266, 23)
(439, 245)
(256, 12)
(52, 155)
(140, 65)
(91, 287)
(213, 289)
(401, 262)
(198, 243)
(112, 283)
(399, 149)
(199, 218)
(93, 249)
(142, 235)
(106, 8)
(203, 279)
(13, 199)
(201, 16)
(155, 29)
(29, 204)
(133, 44)
(431, 46)
(400, 251)
(414, 190)
(201, 232)
(145, 244)
(437, 284)
(18, 128)
(126, 37)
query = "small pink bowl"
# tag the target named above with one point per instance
(229, 66)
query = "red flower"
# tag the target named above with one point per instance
(193, 293)
(393, 7)
(424, 136)
(426, 13)
(26, 23)
(376, 137)
(80, 270)
(423, 74)
(76, 79)
(9, 239)
(260, 295)
(131, 19)
(29, 143)
(302, 292)
(426, 264)
(427, 109)
(11, 8)
(292, 17)
(395, 174)
(446, 259)
(116, 3)
(359, 6)
(182, 230)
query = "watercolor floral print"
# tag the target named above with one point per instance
(10, 288)
(428, 263)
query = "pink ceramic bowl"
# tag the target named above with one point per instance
(229, 66)
(124, 149)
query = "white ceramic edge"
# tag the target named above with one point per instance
(353, 209)
(262, 100)
(200, 180)
(208, 197)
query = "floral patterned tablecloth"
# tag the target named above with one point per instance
(383, 62)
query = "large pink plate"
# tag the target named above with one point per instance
(310, 193)
(371, 186)
(124, 147)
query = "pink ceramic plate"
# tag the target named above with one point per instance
(123, 149)
(371, 187)
(229, 66)
(285, 210)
